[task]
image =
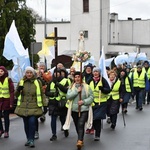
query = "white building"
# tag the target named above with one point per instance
(101, 29)
(91, 16)
(128, 35)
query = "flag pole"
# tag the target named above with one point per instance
(19, 69)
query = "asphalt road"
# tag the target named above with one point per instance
(134, 136)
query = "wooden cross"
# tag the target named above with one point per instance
(56, 38)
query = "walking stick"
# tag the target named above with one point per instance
(79, 107)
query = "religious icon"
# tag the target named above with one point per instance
(81, 41)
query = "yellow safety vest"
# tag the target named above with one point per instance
(115, 91)
(53, 89)
(139, 81)
(127, 85)
(148, 73)
(38, 93)
(4, 89)
(62, 82)
(103, 97)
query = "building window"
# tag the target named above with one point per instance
(85, 5)
(86, 34)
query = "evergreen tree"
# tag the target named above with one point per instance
(24, 21)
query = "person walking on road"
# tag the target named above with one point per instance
(140, 84)
(56, 90)
(115, 97)
(30, 102)
(80, 105)
(101, 89)
(6, 100)
(127, 89)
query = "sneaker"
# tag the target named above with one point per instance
(31, 144)
(27, 143)
(108, 120)
(1, 132)
(42, 118)
(66, 133)
(79, 144)
(92, 131)
(147, 103)
(36, 136)
(113, 126)
(97, 138)
(6, 135)
(140, 108)
(87, 131)
(53, 138)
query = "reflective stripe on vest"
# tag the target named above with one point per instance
(53, 89)
(4, 89)
(95, 90)
(139, 81)
(127, 85)
(115, 91)
(38, 93)
(62, 82)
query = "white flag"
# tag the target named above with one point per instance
(13, 46)
(102, 66)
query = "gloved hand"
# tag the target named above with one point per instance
(55, 80)
(20, 88)
(100, 87)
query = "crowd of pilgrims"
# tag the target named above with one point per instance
(84, 97)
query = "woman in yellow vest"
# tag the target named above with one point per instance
(126, 89)
(101, 89)
(140, 84)
(6, 100)
(115, 98)
(146, 66)
(56, 90)
(30, 102)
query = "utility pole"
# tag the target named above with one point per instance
(45, 29)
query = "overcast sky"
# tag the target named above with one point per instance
(57, 9)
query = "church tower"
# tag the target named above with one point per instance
(92, 17)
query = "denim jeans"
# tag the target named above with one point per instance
(139, 97)
(54, 123)
(30, 126)
(6, 120)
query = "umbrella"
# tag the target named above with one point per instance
(141, 57)
(121, 59)
(108, 61)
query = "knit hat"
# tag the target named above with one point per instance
(139, 66)
(146, 62)
(41, 64)
(96, 69)
(30, 69)
(89, 65)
